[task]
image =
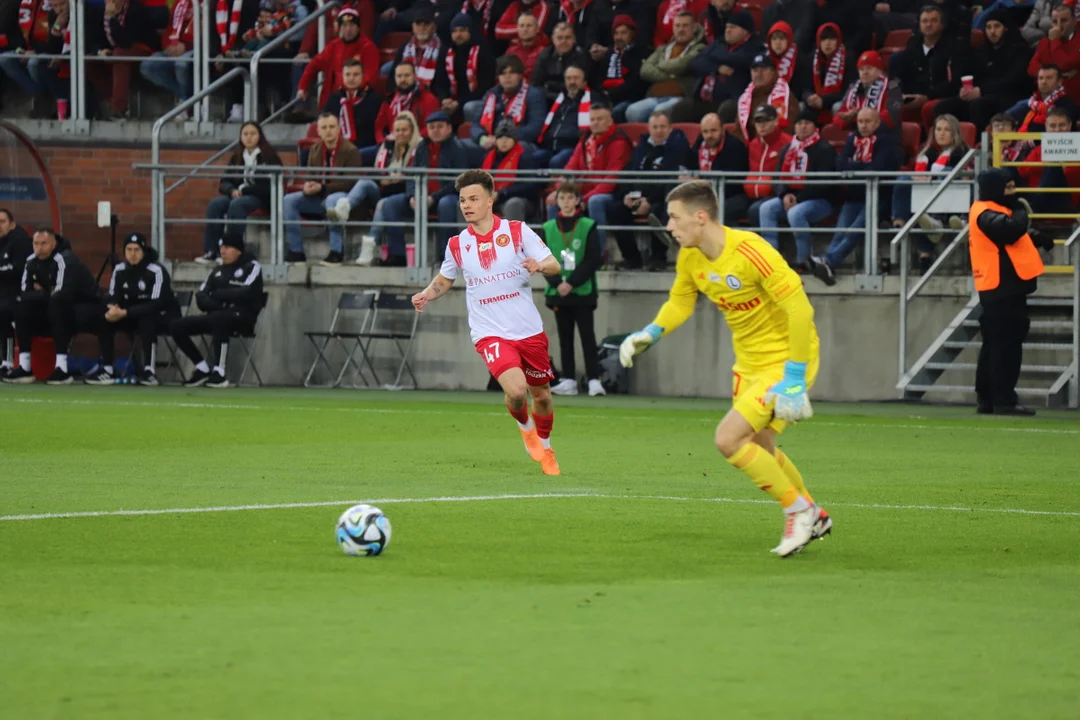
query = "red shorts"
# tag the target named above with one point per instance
(530, 354)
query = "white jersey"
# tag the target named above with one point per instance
(497, 292)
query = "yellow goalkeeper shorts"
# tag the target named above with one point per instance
(749, 389)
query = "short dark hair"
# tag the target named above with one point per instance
(1003, 118)
(410, 63)
(45, 231)
(1051, 66)
(352, 62)
(509, 62)
(1058, 111)
(698, 195)
(568, 186)
(10, 215)
(475, 177)
(686, 13)
(932, 9)
(327, 115)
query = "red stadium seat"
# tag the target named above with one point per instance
(755, 12)
(464, 130)
(897, 39)
(970, 133)
(635, 130)
(978, 38)
(835, 134)
(312, 131)
(389, 44)
(378, 84)
(692, 131)
(912, 136)
(732, 129)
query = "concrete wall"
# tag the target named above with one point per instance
(858, 332)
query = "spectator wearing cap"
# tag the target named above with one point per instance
(764, 151)
(604, 147)
(930, 66)
(1061, 47)
(668, 69)
(468, 69)
(719, 151)
(1030, 114)
(766, 88)
(567, 119)
(666, 14)
(355, 104)
(591, 18)
(140, 303)
(723, 71)
(424, 49)
(999, 75)
(241, 191)
(439, 151)
(321, 190)
(800, 203)
(349, 43)
(643, 14)
(871, 148)
(515, 197)
(662, 149)
(400, 14)
(506, 28)
(409, 96)
(617, 70)
(231, 299)
(511, 97)
(550, 69)
(830, 70)
(528, 44)
(874, 89)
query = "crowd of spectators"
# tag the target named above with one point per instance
(797, 86)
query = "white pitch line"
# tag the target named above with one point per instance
(531, 496)
(981, 427)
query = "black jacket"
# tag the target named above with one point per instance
(672, 156)
(594, 258)
(633, 87)
(1002, 70)
(485, 74)
(15, 248)
(733, 157)
(141, 26)
(820, 158)
(256, 186)
(564, 132)
(884, 158)
(364, 113)
(452, 155)
(738, 58)
(236, 287)
(855, 20)
(592, 23)
(1003, 230)
(935, 75)
(62, 275)
(143, 289)
(548, 74)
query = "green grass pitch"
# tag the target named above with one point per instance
(639, 585)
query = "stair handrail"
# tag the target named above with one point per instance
(941, 185)
(1072, 250)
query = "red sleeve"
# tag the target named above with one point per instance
(427, 104)
(382, 121)
(311, 72)
(662, 33)
(370, 58)
(366, 8)
(506, 28)
(3, 40)
(577, 160)
(620, 155)
(310, 43)
(1037, 60)
(1031, 173)
(1066, 55)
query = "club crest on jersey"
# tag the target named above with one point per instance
(503, 240)
(142, 285)
(732, 282)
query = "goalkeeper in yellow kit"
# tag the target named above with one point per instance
(776, 348)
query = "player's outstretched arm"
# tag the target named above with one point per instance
(677, 310)
(438, 287)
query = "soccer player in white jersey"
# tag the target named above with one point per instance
(496, 258)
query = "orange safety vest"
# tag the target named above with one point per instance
(985, 255)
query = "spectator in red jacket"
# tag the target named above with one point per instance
(409, 96)
(764, 151)
(507, 27)
(604, 147)
(348, 44)
(529, 43)
(1061, 47)
(177, 43)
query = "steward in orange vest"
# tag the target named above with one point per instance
(1005, 264)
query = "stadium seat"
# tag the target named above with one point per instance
(978, 38)
(969, 133)
(835, 134)
(732, 129)
(911, 134)
(692, 131)
(388, 46)
(635, 130)
(464, 130)
(378, 84)
(896, 40)
(755, 12)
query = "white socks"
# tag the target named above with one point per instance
(527, 426)
(24, 361)
(546, 442)
(799, 505)
(219, 370)
(107, 368)
(202, 367)
(61, 362)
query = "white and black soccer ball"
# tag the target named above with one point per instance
(363, 530)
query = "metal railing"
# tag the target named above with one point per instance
(1072, 251)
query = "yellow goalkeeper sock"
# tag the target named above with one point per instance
(792, 473)
(762, 468)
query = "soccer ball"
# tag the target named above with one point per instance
(363, 530)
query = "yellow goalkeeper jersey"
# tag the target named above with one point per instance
(762, 299)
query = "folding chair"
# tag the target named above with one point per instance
(183, 298)
(391, 321)
(348, 304)
(247, 341)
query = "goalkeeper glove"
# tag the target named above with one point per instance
(637, 343)
(792, 404)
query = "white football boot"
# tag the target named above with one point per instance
(596, 388)
(566, 386)
(798, 531)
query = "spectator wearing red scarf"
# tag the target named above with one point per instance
(468, 69)
(408, 95)
(1061, 47)
(830, 70)
(348, 44)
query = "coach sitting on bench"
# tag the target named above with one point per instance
(140, 302)
(58, 298)
(231, 298)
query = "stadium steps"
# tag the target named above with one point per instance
(1022, 391)
(1039, 369)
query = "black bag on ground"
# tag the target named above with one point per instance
(613, 376)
